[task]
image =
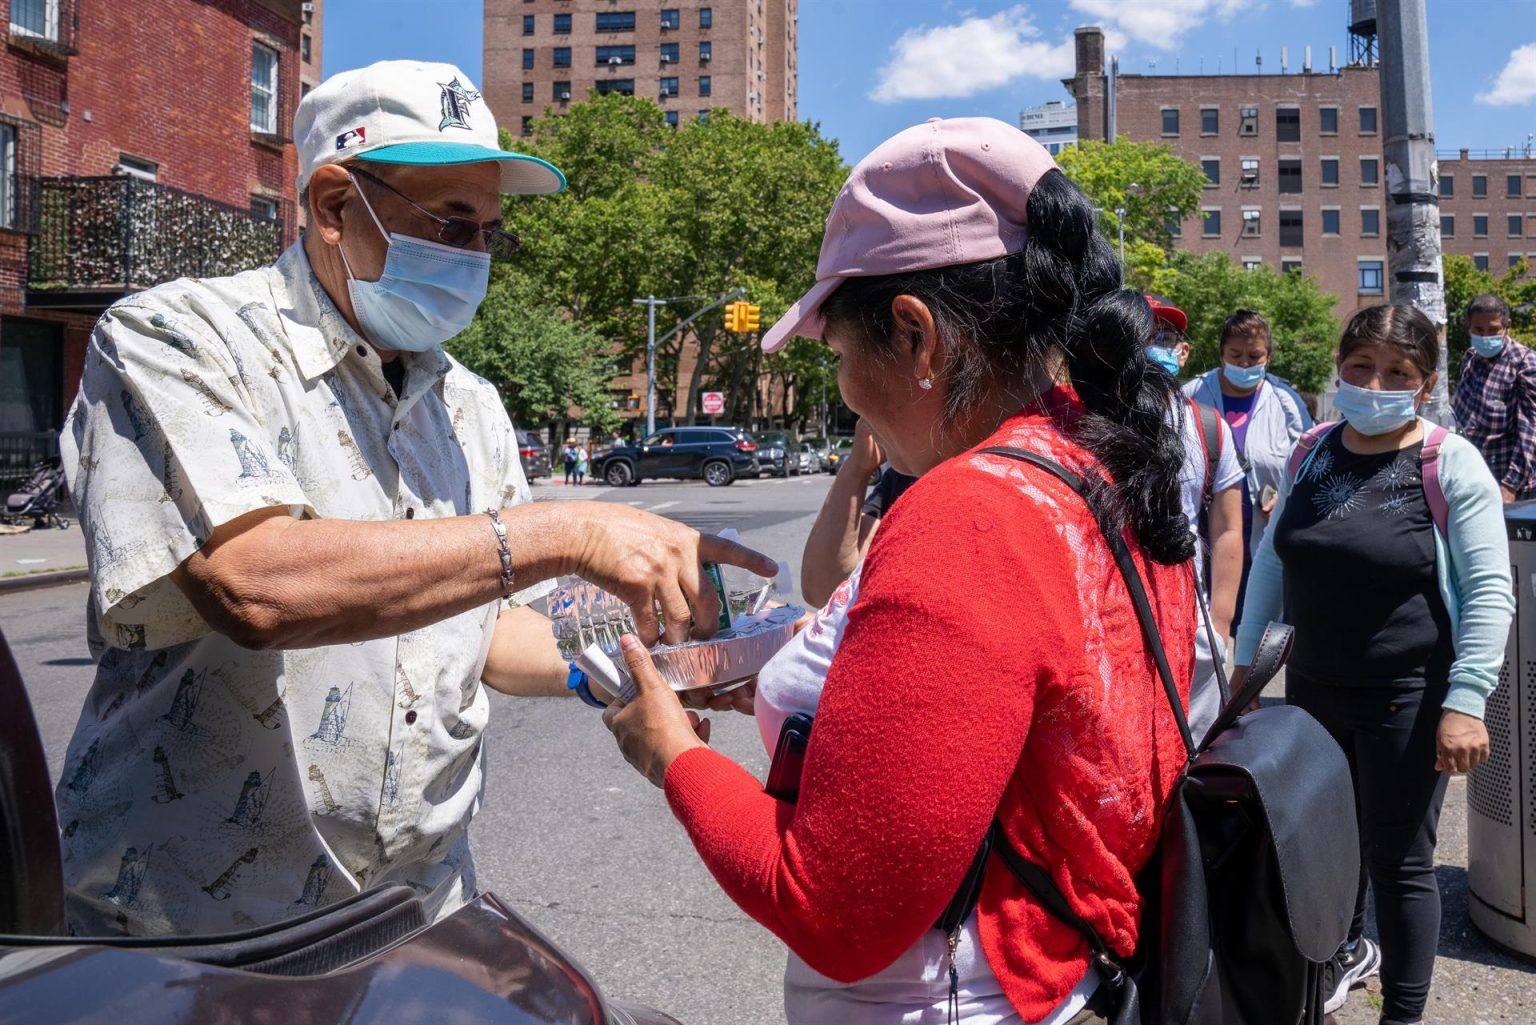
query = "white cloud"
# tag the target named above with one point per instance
(1517, 82)
(970, 57)
(1158, 23)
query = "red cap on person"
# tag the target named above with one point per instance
(1168, 313)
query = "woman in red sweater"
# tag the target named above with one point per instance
(984, 660)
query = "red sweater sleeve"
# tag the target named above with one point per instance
(963, 601)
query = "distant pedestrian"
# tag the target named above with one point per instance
(569, 458)
(582, 458)
(1398, 586)
(1496, 398)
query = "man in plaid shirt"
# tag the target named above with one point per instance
(1496, 398)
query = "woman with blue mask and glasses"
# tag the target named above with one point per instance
(1266, 416)
(1387, 554)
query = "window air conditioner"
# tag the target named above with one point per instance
(565, 96)
(307, 8)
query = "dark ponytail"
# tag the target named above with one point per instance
(1001, 320)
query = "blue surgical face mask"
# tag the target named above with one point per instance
(1375, 412)
(1164, 357)
(1487, 346)
(1243, 377)
(427, 294)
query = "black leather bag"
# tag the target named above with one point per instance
(1252, 887)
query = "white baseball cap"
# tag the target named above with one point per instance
(408, 112)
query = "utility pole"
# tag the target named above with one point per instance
(650, 302)
(1414, 266)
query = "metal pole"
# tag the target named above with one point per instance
(1120, 222)
(650, 365)
(1413, 213)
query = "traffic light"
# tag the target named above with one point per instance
(748, 314)
(732, 319)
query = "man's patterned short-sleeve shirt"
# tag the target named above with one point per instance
(209, 787)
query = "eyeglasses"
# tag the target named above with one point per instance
(458, 232)
(1167, 338)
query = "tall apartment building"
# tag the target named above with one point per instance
(1488, 207)
(1053, 124)
(313, 12)
(140, 141)
(543, 55)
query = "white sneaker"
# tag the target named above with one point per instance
(1348, 969)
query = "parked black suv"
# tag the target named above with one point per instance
(718, 454)
(778, 453)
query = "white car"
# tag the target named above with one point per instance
(810, 459)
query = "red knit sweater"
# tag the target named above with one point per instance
(991, 664)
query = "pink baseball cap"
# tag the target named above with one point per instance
(940, 194)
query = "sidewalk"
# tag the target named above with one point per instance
(48, 551)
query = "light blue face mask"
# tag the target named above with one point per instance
(1375, 412)
(1487, 346)
(1164, 357)
(427, 294)
(1243, 377)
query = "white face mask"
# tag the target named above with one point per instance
(428, 292)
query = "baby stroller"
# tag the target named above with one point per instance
(39, 498)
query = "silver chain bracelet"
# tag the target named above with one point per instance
(504, 552)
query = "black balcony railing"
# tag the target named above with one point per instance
(100, 238)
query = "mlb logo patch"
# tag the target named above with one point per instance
(356, 137)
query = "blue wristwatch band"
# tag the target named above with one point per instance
(576, 680)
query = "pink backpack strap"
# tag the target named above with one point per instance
(1429, 472)
(1304, 446)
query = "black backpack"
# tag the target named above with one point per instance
(1252, 887)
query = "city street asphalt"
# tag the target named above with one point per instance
(586, 849)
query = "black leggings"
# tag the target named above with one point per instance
(1388, 735)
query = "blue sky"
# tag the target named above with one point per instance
(869, 68)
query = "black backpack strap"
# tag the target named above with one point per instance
(1210, 441)
(1133, 584)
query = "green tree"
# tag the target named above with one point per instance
(1148, 180)
(1464, 282)
(1210, 287)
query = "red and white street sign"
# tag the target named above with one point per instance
(712, 402)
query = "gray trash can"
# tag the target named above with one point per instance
(1501, 794)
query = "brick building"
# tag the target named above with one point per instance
(542, 55)
(140, 141)
(313, 12)
(1488, 207)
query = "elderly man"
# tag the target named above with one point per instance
(311, 541)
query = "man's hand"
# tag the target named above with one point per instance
(653, 728)
(1461, 743)
(865, 455)
(650, 562)
(1507, 492)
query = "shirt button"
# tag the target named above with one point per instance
(410, 717)
(361, 351)
(410, 513)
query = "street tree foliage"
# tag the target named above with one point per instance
(1464, 282)
(1209, 288)
(687, 214)
(1148, 180)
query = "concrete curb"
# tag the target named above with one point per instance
(10, 585)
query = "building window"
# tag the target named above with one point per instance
(1371, 277)
(706, 19)
(622, 86)
(263, 89)
(1367, 120)
(563, 24)
(615, 21)
(1512, 186)
(1290, 266)
(1250, 224)
(1479, 225)
(1290, 177)
(1330, 220)
(36, 18)
(1330, 170)
(306, 54)
(1210, 120)
(1480, 261)
(670, 53)
(1252, 263)
(1369, 170)
(671, 115)
(1173, 224)
(527, 92)
(1516, 259)
(1479, 186)
(669, 87)
(527, 58)
(562, 56)
(703, 117)
(136, 167)
(527, 125)
(1212, 168)
(1448, 225)
(1248, 121)
(527, 24)
(615, 55)
(264, 208)
(561, 92)
(1210, 225)
(1328, 120)
(671, 17)
(704, 52)
(1370, 222)
(1516, 225)
(10, 191)
(1290, 228)
(1170, 120)
(1250, 171)
(1447, 185)
(1288, 124)
(704, 86)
